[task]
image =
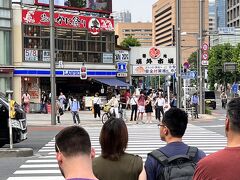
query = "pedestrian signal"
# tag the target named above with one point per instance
(83, 72)
(12, 109)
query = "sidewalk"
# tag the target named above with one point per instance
(87, 118)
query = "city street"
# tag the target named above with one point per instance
(207, 134)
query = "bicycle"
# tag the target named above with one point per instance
(107, 115)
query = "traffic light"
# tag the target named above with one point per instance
(83, 72)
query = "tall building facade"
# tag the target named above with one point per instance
(212, 17)
(221, 13)
(233, 13)
(122, 16)
(142, 31)
(164, 20)
(6, 69)
(82, 41)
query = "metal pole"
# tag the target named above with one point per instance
(53, 76)
(178, 51)
(201, 26)
(9, 119)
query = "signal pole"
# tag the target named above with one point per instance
(178, 52)
(52, 55)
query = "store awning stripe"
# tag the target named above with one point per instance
(112, 82)
(64, 73)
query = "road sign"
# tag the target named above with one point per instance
(205, 55)
(205, 47)
(204, 62)
(235, 88)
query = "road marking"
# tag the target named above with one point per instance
(142, 140)
(212, 126)
(37, 172)
(38, 178)
(38, 165)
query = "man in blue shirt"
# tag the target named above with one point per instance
(194, 102)
(75, 106)
(172, 129)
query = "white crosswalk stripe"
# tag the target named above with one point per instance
(142, 140)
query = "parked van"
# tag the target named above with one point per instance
(19, 125)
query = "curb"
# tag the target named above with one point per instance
(16, 152)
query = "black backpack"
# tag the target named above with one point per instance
(179, 167)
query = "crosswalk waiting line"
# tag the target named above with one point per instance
(142, 140)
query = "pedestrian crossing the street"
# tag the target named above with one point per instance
(142, 139)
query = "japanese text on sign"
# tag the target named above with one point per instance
(31, 55)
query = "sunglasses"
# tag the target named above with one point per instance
(58, 150)
(161, 125)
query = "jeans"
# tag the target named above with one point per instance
(75, 114)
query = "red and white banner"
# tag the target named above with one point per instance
(93, 24)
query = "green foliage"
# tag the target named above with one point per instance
(218, 55)
(78, 3)
(130, 41)
(192, 60)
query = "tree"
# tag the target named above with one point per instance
(219, 55)
(192, 60)
(130, 41)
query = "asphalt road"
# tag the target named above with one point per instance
(39, 136)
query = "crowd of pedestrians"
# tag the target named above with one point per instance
(176, 160)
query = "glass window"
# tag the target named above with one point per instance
(32, 31)
(79, 34)
(5, 50)
(79, 57)
(5, 23)
(93, 37)
(94, 57)
(64, 33)
(45, 43)
(31, 42)
(5, 84)
(79, 45)
(4, 3)
(45, 31)
(64, 56)
(64, 44)
(108, 36)
(94, 46)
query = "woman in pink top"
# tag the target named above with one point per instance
(141, 107)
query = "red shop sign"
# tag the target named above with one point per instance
(93, 24)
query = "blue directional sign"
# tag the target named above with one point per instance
(121, 67)
(235, 88)
(189, 75)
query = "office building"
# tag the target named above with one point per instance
(142, 31)
(164, 22)
(6, 69)
(221, 13)
(122, 16)
(233, 13)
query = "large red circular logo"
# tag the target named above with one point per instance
(154, 53)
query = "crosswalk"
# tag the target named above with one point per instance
(142, 139)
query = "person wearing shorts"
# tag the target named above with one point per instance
(141, 107)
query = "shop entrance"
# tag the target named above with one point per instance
(71, 86)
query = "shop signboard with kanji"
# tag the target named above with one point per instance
(93, 24)
(153, 60)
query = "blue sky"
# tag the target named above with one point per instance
(141, 10)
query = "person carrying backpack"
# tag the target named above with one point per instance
(176, 159)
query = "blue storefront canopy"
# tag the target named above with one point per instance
(114, 82)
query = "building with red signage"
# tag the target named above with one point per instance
(81, 38)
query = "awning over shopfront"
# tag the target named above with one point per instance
(113, 82)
